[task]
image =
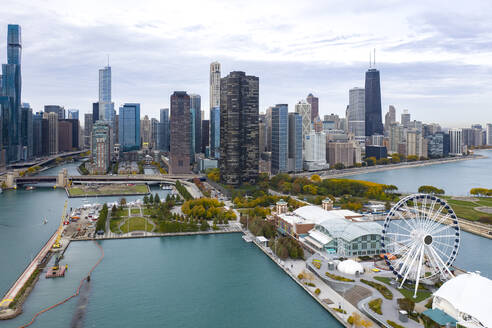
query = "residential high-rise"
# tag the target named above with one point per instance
(163, 142)
(340, 152)
(154, 132)
(101, 147)
(26, 132)
(214, 85)
(396, 135)
(390, 117)
(88, 122)
(205, 135)
(52, 133)
(405, 118)
(295, 142)
(10, 96)
(215, 132)
(239, 110)
(488, 131)
(180, 156)
(37, 134)
(145, 131)
(73, 114)
(314, 102)
(106, 107)
(315, 151)
(268, 124)
(356, 114)
(262, 132)
(196, 123)
(280, 139)
(64, 136)
(129, 127)
(435, 145)
(455, 142)
(304, 109)
(373, 119)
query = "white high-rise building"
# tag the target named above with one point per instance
(456, 142)
(303, 108)
(315, 151)
(488, 131)
(106, 107)
(356, 114)
(214, 85)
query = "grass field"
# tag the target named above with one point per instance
(114, 223)
(421, 294)
(465, 209)
(107, 190)
(135, 224)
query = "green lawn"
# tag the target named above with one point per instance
(135, 211)
(421, 294)
(107, 190)
(113, 225)
(465, 209)
(135, 224)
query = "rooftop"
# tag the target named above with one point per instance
(348, 230)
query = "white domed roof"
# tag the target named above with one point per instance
(350, 267)
(469, 293)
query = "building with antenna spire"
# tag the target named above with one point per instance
(373, 115)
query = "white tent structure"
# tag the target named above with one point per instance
(467, 299)
(350, 267)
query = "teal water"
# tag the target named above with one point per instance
(455, 178)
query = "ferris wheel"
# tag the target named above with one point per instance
(421, 238)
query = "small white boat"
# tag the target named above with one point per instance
(167, 187)
(45, 220)
(247, 238)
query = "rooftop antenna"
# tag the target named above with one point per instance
(108, 60)
(374, 58)
(370, 60)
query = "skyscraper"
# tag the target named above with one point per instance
(280, 139)
(73, 114)
(64, 136)
(356, 113)
(88, 122)
(239, 110)
(373, 120)
(205, 135)
(314, 102)
(37, 134)
(101, 147)
(390, 117)
(10, 96)
(129, 127)
(215, 132)
(95, 112)
(455, 142)
(488, 133)
(295, 142)
(58, 110)
(145, 131)
(405, 118)
(180, 137)
(26, 132)
(304, 109)
(106, 107)
(214, 85)
(196, 122)
(163, 142)
(52, 133)
(154, 132)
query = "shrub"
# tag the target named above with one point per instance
(429, 303)
(350, 320)
(317, 291)
(339, 278)
(406, 304)
(300, 276)
(394, 324)
(380, 288)
(317, 264)
(310, 284)
(375, 305)
(339, 310)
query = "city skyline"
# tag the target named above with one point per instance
(304, 58)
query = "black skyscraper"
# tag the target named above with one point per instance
(374, 122)
(239, 131)
(95, 112)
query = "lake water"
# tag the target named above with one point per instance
(455, 178)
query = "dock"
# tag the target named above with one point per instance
(60, 272)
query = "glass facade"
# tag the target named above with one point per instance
(215, 132)
(163, 133)
(295, 142)
(373, 116)
(196, 122)
(280, 140)
(129, 127)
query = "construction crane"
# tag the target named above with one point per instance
(57, 243)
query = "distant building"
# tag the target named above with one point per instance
(376, 151)
(58, 110)
(239, 149)
(64, 136)
(314, 102)
(456, 142)
(280, 139)
(405, 118)
(95, 112)
(26, 132)
(315, 151)
(88, 123)
(331, 122)
(373, 119)
(145, 132)
(101, 147)
(340, 153)
(154, 133)
(214, 85)
(356, 114)
(295, 143)
(180, 135)
(215, 132)
(262, 133)
(196, 124)
(163, 133)
(73, 114)
(129, 127)
(205, 135)
(436, 145)
(106, 107)
(52, 132)
(37, 134)
(390, 117)
(489, 134)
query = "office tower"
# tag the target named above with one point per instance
(205, 135)
(262, 133)
(331, 122)
(317, 125)
(239, 153)
(215, 132)
(314, 102)
(415, 143)
(356, 114)
(10, 96)
(26, 132)
(101, 147)
(58, 110)
(214, 85)
(304, 109)
(37, 135)
(73, 114)
(295, 142)
(390, 117)
(405, 118)
(268, 124)
(154, 132)
(163, 141)
(145, 131)
(180, 156)
(435, 144)
(196, 124)
(280, 139)
(488, 133)
(129, 127)
(455, 142)
(95, 112)
(88, 122)
(315, 151)
(106, 107)
(64, 136)
(52, 132)
(373, 120)
(116, 132)
(75, 128)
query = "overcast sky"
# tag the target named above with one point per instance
(435, 57)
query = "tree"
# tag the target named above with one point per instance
(151, 199)
(123, 202)
(339, 166)
(480, 191)
(146, 199)
(157, 199)
(370, 161)
(406, 304)
(430, 190)
(315, 178)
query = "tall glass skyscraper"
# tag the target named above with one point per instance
(295, 142)
(196, 122)
(106, 107)
(280, 138)
(163, 127)
(129, 127)
(373, 116)
(10, 96)
(215, 132)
